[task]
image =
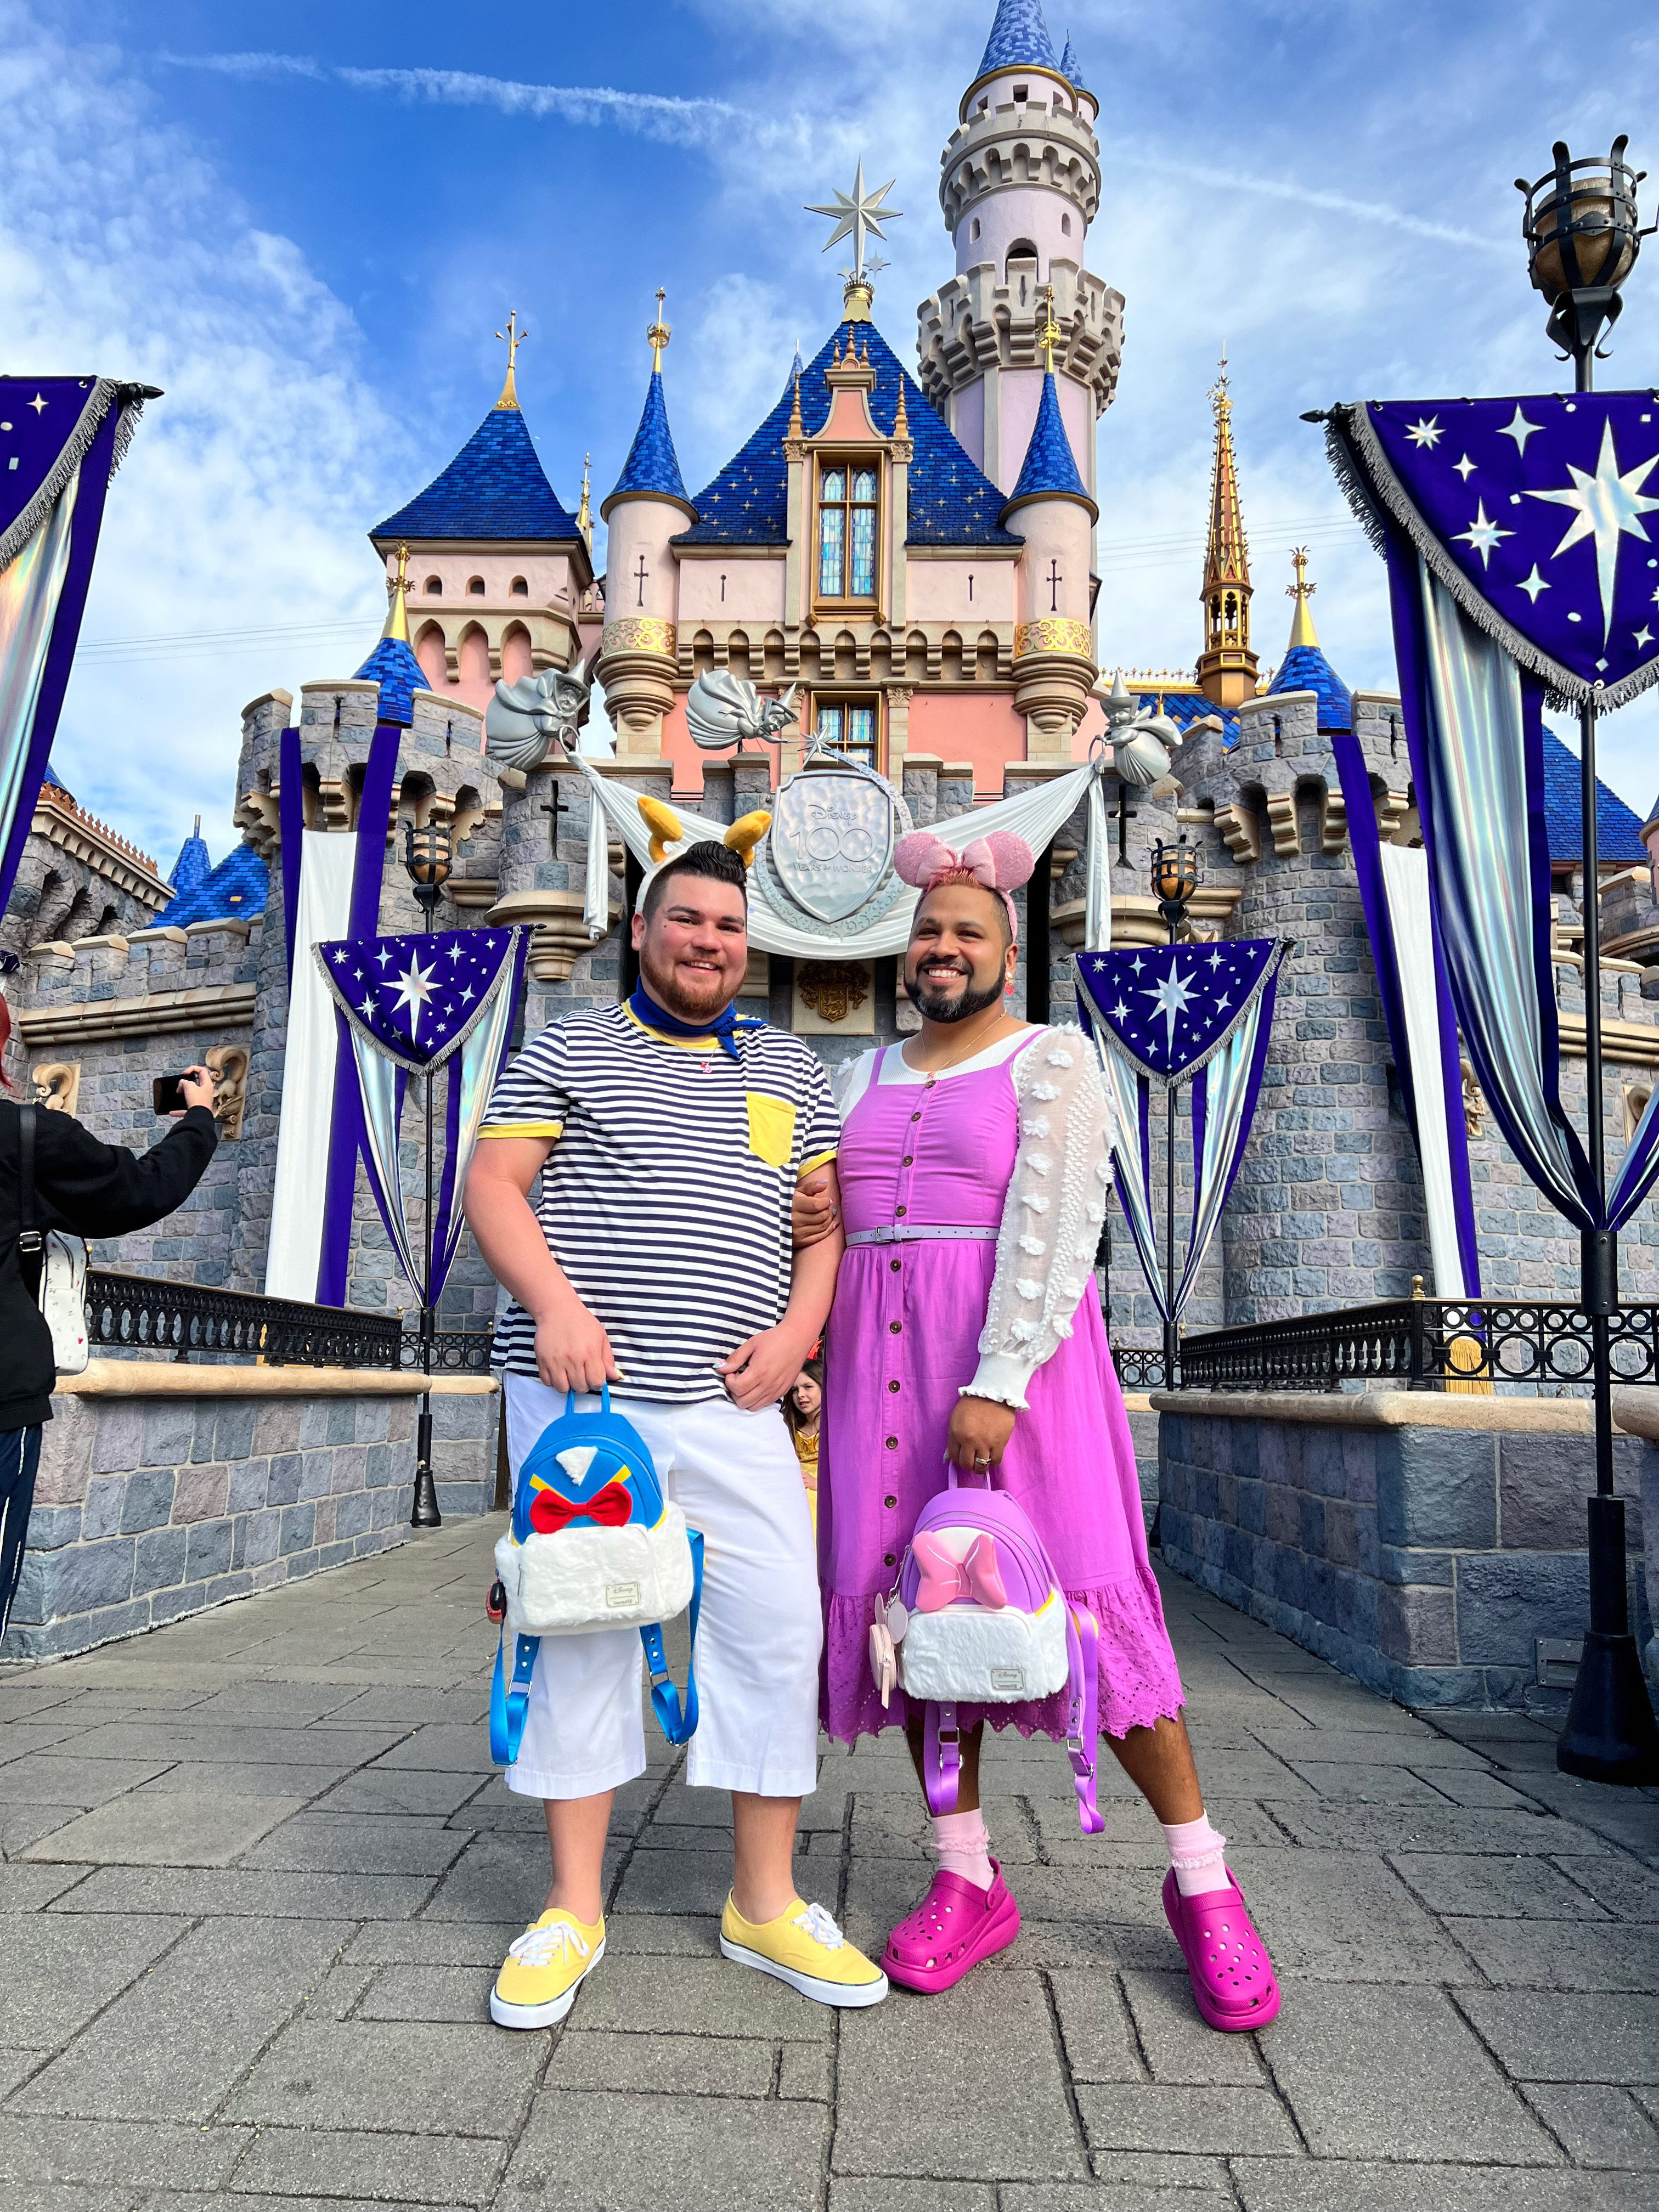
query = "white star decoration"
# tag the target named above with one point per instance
(1533, 585)
(1120, 1013)
(414, 989)
(1427, 433)
(1172, 997)
(1465, 468)
(1644, 636)
(1606, 506)
(1482, 536)
(1520, 429)
(859, 212)
(39, 404)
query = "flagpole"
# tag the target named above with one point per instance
(427, 859)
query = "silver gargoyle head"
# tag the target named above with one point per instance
(526, 719)
(723, 709)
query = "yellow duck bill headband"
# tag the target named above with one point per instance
(666, 828)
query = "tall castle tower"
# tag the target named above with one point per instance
(1020, 187)
(1226, 668)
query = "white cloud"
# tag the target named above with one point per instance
(242, 505)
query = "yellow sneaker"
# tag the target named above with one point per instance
(544, 1968)
(804, 1947)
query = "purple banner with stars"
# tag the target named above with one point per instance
(1534, 513)
(1172, 1007)
(417, 997)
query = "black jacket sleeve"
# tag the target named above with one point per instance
(104, 1190)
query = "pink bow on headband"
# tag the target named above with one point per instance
(975, 1580)
(1000, 862)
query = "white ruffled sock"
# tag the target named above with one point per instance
(1198, 1855)
(964, 1847)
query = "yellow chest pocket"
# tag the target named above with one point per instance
(771, 1128)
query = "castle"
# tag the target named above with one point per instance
(915, 551)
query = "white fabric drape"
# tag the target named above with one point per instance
(307, 1116)
(1036, 816)
(1405, 885)
(30, 587)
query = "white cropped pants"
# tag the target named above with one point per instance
(736, 1477)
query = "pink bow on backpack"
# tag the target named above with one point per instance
(974, 1580)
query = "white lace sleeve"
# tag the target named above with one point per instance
(1051, 1220)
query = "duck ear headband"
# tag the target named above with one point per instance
(1000, 862)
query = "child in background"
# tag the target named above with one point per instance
(801, 1410)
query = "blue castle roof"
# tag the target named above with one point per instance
(1186, 708)
(1049, 468)
(1304, 668)
(49, 775)
(399, 675)
(950, 502)
(494, 487)
(234, 890)
(1070, 67)
(1019, 39)
(1618, 831)
(193, 867)
(652, 464)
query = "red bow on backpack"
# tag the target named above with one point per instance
(610, 1508)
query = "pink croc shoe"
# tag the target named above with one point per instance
(1232, 1977)
(954, 1927)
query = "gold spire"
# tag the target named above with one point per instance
(1301, 626)
(512, 338)
(585, 512)
(1227, 669)
(658, 336)
(1050, 335)
(397, 614)
(796, 429)
(900, 414)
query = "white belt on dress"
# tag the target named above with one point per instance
(899, 1232)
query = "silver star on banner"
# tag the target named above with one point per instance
(1607, 506)
(858, 214)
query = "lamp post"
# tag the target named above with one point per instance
(427, 860)
(1174, 878)
(1581, 236)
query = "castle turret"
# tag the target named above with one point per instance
(1227, 669)
(1304, 667)
(1019, 187)
(392, 664)
(501, 579)
(1050, 509)
(646, 510)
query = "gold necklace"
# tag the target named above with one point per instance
(954, 1061)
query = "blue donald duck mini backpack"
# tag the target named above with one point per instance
(593, 1543)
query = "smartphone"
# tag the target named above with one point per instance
(168, 1094)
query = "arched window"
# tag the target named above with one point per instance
(1065, 226)
(973, 229)
(475, 585)
(848, 504)
(519, 589)
(1020, 271)
(433, 587)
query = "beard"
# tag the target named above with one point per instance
(936, 1007)
(672, 994)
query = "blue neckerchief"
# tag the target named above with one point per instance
(725, 1026)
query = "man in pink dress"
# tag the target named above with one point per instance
(974, 1173)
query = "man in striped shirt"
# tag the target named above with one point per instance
(669, 1135)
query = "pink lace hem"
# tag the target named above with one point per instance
(1140, 1680)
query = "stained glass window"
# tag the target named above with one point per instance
(849, 725)
(848, 504)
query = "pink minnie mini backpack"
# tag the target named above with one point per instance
(977, 1617)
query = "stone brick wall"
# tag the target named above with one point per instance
(1426, 1560)
(150, 1507)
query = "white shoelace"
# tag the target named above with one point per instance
(536, 1945)
(820, 1926)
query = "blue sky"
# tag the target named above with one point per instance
(307, 222)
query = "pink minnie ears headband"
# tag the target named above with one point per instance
(999, 862)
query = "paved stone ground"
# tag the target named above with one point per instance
(258, 1876)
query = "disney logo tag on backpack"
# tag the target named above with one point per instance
(593, 1543)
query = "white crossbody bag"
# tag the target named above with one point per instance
(57, 1259)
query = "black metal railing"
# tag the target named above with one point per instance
(1424, 1343)
(1140, 1366)
(146, 1313)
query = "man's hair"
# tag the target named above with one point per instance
(719, 863)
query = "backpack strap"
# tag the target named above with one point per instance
(31, 1245)
(509, 1708)
(941, 1757)
(678, 1726)
(1083, 1716)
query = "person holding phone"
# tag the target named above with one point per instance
(91, 1189)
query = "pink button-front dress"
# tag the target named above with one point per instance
(902, 1341)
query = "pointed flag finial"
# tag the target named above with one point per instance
(585, 512)
(397, 614)
(658, 336)
(1302, 625)
(512, 338)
